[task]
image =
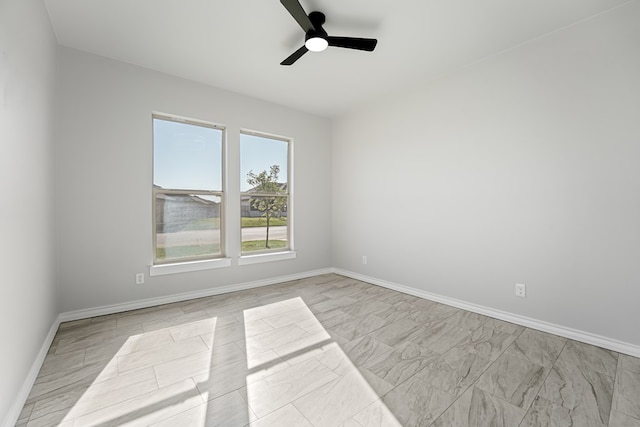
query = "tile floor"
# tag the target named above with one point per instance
(325, 351)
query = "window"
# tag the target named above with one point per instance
(188, 198)
(265, 200)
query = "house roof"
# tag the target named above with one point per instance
(187, 198)
(284, 186)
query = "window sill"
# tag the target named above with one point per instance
(268, 257)
(183, 267)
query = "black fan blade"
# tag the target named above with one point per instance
(295, 9)
(295, 56)
(353, 43)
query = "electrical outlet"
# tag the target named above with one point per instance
(364, 259)
(521, 290)
(139, 278)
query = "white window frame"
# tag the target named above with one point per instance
(198, 262)
(278, 254)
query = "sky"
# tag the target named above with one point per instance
(258, 154)
(188, 157)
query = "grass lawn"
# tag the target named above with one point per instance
(186, 251)
(203, 224)
(178, 252)
(258, 245)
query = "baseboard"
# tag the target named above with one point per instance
(150, 302)
(563, 331)
(582, 336)
(21, 397)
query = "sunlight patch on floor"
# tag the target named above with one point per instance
(127, 391)
(315, 374)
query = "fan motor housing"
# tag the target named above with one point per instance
(317, 19)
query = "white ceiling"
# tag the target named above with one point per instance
(238, 44)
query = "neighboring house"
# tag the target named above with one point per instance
(249, 211)
(175, 211)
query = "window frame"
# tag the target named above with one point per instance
(275, 254)
(165, 265)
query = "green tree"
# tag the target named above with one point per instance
(268, 200)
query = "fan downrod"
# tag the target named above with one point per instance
(317, 19)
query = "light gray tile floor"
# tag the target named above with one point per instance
(325, 351)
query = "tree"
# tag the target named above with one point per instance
(267, 201)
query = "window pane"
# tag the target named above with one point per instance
(187, 226)
(264, 185)
(258, 154)
(186, 156)
(264, 223)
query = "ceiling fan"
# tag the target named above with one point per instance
(316, 38)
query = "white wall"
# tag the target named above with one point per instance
(522, 168)
(27, 290)
(103, 179)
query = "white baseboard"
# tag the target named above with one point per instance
(582, 336)
(150, 302)
(18, 403)
(563, 331)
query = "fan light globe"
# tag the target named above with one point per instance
(316, 44)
